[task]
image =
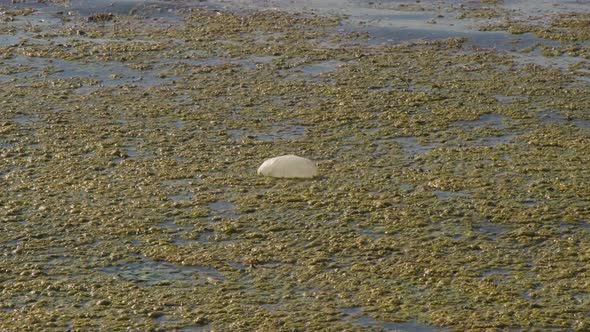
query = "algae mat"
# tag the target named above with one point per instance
(454, 181)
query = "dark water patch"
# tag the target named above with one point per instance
(411, 146)
(86, 90)
(149, 8)
(501, 40)
(366, 230)
(171, 227)
(17, 76)
(186, 182)
(508, 99)
(381, 89)
(576, 228)
(108, 73)
(221, 209)
(381, 33)
(369, 232)
(131, 151)
(490, 229)
(256, 61)
(9, 243)
(496, 272)
(551, 116)
(152, 272)
(412, 326)
(172, 322)
(197, 58)
(161, 318)
(6, 145)
(320, 67)
(270, 306)
(221, 206)
(206, 236)
(407, 187)
(13, 39)
(495, 121)
(583, 124)
(528, 294)
(582, 298)
(239, 134)
(289, 131)
(490, 119)
(276, 132)
(409, 326)
(497, 140)
(441, 194)
(181, 196)
(182, 99)
(554, 116)
(237, 266)
(351, 310)
(116, 161)
(562, 62)
(24, 119)
(178, 124)
(386, 22)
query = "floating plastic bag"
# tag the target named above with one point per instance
(289, 166)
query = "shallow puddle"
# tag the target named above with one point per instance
(490, 229)
(221, 206)
(152, 272)
(187, 182)
(320, 67)
(172, 227)
(449, 194)
(355, 315)
(493, 120)
(276, 132)
(412, 146)
(182, 196)
(509, 99)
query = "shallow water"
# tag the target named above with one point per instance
(276, 132)
(453, 174)
(151, 272)
(221, 206)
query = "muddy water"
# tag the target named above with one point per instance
(452, 146)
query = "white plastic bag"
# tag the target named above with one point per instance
(289, 166)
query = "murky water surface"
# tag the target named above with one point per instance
(452, 140)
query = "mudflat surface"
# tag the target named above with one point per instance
(452, 140)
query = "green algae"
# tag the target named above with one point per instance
(570, 29)
(136, 206)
